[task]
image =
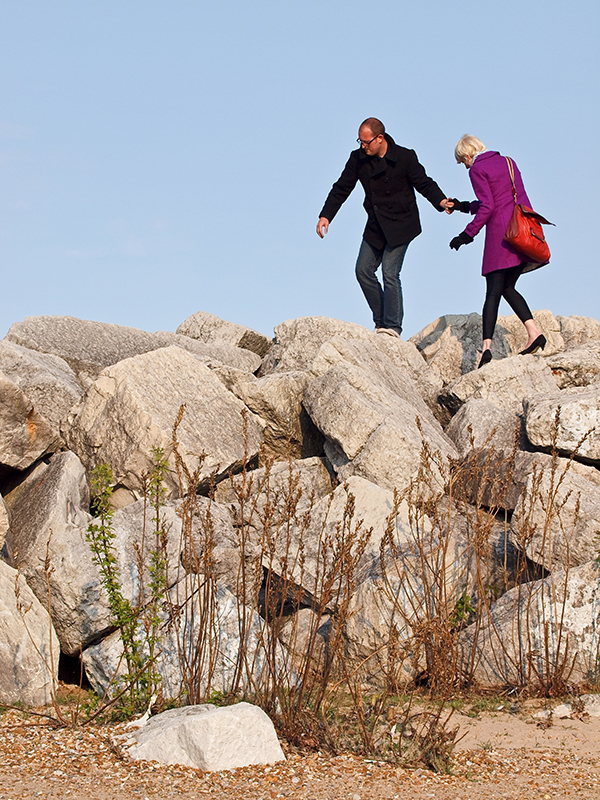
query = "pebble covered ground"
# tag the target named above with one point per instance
(82, 763)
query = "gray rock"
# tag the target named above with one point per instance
(47, 380)
(579, 417)
(451, 344)
(277, 399)
(208, 738)
(577, 330)
(198, 648)
(88, 347)
(556, 518)
(392, 360)
(539, 629)
(132, 408)
(25, 435)
(375, 427)
(298, 341)
(504, 383)
(49, 519)
(212, 330)
(579, 366)
(306, 635)
(29, 649)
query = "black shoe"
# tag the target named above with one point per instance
(486, 357)
(537, 344)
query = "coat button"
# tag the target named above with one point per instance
(374, 208)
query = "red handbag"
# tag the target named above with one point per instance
(524, 231)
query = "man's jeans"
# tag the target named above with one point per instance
(386, 304)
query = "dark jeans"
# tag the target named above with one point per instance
(501, 283)
(385, 302)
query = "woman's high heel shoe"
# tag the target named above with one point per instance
(537, 344)
(486, 357)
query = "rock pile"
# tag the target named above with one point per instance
(332, 409)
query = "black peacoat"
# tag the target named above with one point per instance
(389, 184)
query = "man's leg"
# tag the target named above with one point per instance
(393, 308)
(367, 264)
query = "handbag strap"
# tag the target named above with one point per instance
(512, 177)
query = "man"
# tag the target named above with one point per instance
(389, 175)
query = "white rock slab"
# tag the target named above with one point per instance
(133, 405)
(209, 738)
(25, 435)
(91, 346)
(579, 415)
(211, 329)
(537, 627)
(47, 380)
(29, 648)
(505, 383)
(579, 366)
(297, 341)
(577, 330)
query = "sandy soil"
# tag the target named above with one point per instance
(502, 755)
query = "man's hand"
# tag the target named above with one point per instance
(448, 205)
(322, 226)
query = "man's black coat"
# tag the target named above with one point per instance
(389, 184)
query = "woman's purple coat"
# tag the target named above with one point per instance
(493, 208)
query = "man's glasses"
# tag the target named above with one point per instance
(366, 144)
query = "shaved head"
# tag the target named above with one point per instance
(373, 124)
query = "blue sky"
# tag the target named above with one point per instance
(161, 158)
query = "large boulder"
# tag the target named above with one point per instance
(25, 435)
(556, 518)
(578, 417)
(504, 383)
(199, 647)
(213, 330)
(88, 347)
(46, 541)
(29, 648)
(543, 634)
(375, 426)
(132, 407)
(277, 399)
(207, 737)
(577, 330)
(392, 360)
(579, 366)
(451, 344)
(297, 341)
(47, 380)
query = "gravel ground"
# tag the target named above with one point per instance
(502, 755)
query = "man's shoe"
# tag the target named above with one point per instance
(389, 331)
(537, 344)
(486, 357)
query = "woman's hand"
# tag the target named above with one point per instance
(462, 238)
(461, 205)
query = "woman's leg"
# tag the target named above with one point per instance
(518, 303)
(494, 290)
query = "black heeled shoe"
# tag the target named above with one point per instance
(486, 357)
(537, 344)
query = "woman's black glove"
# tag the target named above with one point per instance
(462, 238)
(461, 205)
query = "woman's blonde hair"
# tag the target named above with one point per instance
(467, 146)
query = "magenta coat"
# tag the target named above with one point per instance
(493, 208)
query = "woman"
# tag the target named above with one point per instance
(502, 265)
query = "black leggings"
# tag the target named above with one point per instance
(501, 283)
